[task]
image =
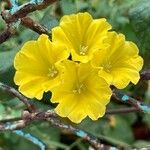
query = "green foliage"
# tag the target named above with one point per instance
(131, 17)
(140, 20)
(141, 144)
(6, 60)
(116, 129)
(68, 7)
(120, 131)
(10, 109)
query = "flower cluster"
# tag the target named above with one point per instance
(78, 66)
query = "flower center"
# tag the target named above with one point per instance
(79, 89)
(107, 66)
(52, 72)
(83, 49)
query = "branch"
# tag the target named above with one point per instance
(140, 106)
(31, 138)
(17, 12)
(27, 118)
(145, 75)
(137, 106)
(8, 3)
(6, 34)
(80, 133)
(121, 110)
(13, 125)
(14, 92)
(108, 112)
(10, 120)
(20, 124)
(29, 23)
(52, 117)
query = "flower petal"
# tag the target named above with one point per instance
(32, 88)
(81, 34)
(122, 77)
(106, 75)
(37, 64)
(95, 109)
(119, 63)
(81, 91)
(74, 26)
(96, 33)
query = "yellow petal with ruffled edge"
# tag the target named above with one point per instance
(120, 63)
(82, 93)
(81, 34)
(38, 66)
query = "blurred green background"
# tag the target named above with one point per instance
(130, 17)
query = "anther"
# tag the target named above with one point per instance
(83, 49)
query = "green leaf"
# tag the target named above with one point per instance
(2, 24)
(146, 119)
(120, 131)
(6, 71)
(103, 129)
(142, 144)
(6, 60)
(13, 141)
(10, 109)
(68, 7)
(48, 20)
(48, 134)
(81, 5)
(140, 20)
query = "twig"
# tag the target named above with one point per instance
(145, 75)
(6, 34)
(27, 118)
(8, 3)
(14, 92)
(20, 12)
(95, 142)
(108, 112)
(31, 138)
(10, 126)
(10, 120)
(51, 117)
(17, 12)
(140, 106)
(121, 110)
(29, 23)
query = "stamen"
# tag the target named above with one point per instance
(107, 66)
(79, 89)
(83, 49)
(52, 72)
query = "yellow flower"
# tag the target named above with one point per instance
(81, 34)
(82, 93)
(119, 63)
(38, 66)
